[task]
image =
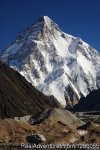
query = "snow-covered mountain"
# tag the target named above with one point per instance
(55, 63)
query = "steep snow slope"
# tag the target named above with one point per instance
(54, 62)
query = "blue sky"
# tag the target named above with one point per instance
(80, 18)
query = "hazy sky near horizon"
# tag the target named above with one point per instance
(80, 18)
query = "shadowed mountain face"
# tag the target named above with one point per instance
(18, 97)
(90, 103)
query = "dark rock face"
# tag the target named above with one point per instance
(71, 97)
(89, 103)
(18, 97)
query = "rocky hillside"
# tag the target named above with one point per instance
(18, 97)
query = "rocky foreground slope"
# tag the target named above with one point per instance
(54, 62)
(52, 126)
(18, 97)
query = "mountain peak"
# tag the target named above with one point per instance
(45, 21)
(53, 61)
(46, 18)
